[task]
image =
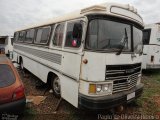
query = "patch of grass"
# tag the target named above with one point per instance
(146, 102)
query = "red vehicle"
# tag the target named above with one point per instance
(12, 95)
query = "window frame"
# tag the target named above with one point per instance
(64, 34)
(149, 30)
(112, 20)
(48, 26)
(133, 26)
(33, 35)
(16, 39)
(74, 48)
(23, 36)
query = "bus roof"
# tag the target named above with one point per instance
(114, 9)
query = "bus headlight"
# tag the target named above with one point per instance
(105, 88)
(108, 88)
(139, 79)
(98, 88)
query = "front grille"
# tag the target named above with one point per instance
(124, 77)
(125, 83)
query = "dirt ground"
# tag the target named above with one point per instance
(46, 109)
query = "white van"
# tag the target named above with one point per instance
(6, 44)
(151, 48)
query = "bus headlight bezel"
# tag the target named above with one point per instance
(101, 88)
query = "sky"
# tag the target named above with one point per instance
(16, 14)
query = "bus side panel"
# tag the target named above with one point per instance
(71, 63)
(69, 90)
(10, 46)
(151, 57)
(145, 57)
(32, 66)
(38, 69)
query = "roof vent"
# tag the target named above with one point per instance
(93, 8)
(131, 8)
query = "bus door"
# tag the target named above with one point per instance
(71, 61)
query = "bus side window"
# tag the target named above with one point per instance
(16, 35)
(146, 36)
(30, 35)
(58, 35)
(74, 34)
(22, 36)
(38, 36)
(43, 35)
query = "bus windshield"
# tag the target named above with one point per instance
(110, 35)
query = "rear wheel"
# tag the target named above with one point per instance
(55, 84)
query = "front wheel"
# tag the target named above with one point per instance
(55, 84)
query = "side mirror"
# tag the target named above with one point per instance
(77, 31)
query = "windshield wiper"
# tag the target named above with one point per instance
(125, 40)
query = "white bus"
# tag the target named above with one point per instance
(151, 48)
(6, 44)
(91, 58)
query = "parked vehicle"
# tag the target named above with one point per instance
(91, 58)
(12, 96)
(151, 49)
(6, 45)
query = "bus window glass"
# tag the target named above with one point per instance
(58, 35)
(73, 34)
(146, 36)
(39, 34)
(137, 38)
(22, 36)
(45, 35)
(108, 35)
(16, 35)
(30, 35)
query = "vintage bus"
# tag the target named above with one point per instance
(151, 48)
(91, 58)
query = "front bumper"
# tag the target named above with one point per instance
(108, 102)
(16, 107)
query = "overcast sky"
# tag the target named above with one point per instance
(16, 14)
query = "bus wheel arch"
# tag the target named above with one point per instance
(53, 82)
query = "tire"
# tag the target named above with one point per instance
(56, 87)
